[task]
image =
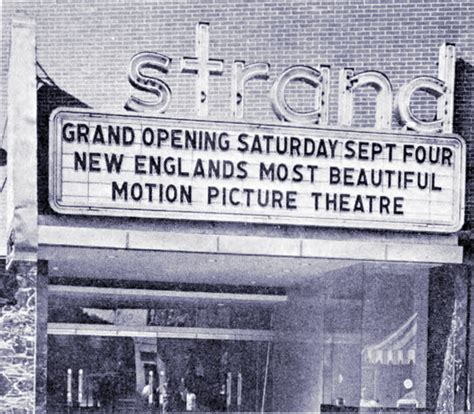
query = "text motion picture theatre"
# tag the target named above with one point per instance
(170, 260)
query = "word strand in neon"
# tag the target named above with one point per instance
(442, 88)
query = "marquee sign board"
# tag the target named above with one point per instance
(157, 167)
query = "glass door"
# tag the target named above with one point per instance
(114, 350)
(101, 374)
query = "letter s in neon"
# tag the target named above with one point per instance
(144, 82)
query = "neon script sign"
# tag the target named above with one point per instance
(203, 66)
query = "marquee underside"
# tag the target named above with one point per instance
(222, 259)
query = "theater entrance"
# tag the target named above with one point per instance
(109, 375)
(355, 337)
(128, 352)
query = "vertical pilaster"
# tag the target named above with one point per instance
(17, 342)
(19, 358)
(447, 336)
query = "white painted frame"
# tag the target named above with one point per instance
(328, 132)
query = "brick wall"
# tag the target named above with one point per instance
(85, 48)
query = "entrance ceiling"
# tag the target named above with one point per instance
(160, 266)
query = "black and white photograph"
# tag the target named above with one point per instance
(237, 206)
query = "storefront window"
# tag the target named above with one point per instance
(375, 327)
(353, 340)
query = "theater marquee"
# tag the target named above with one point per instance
(138, 166)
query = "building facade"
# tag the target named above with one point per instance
(237, 206)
